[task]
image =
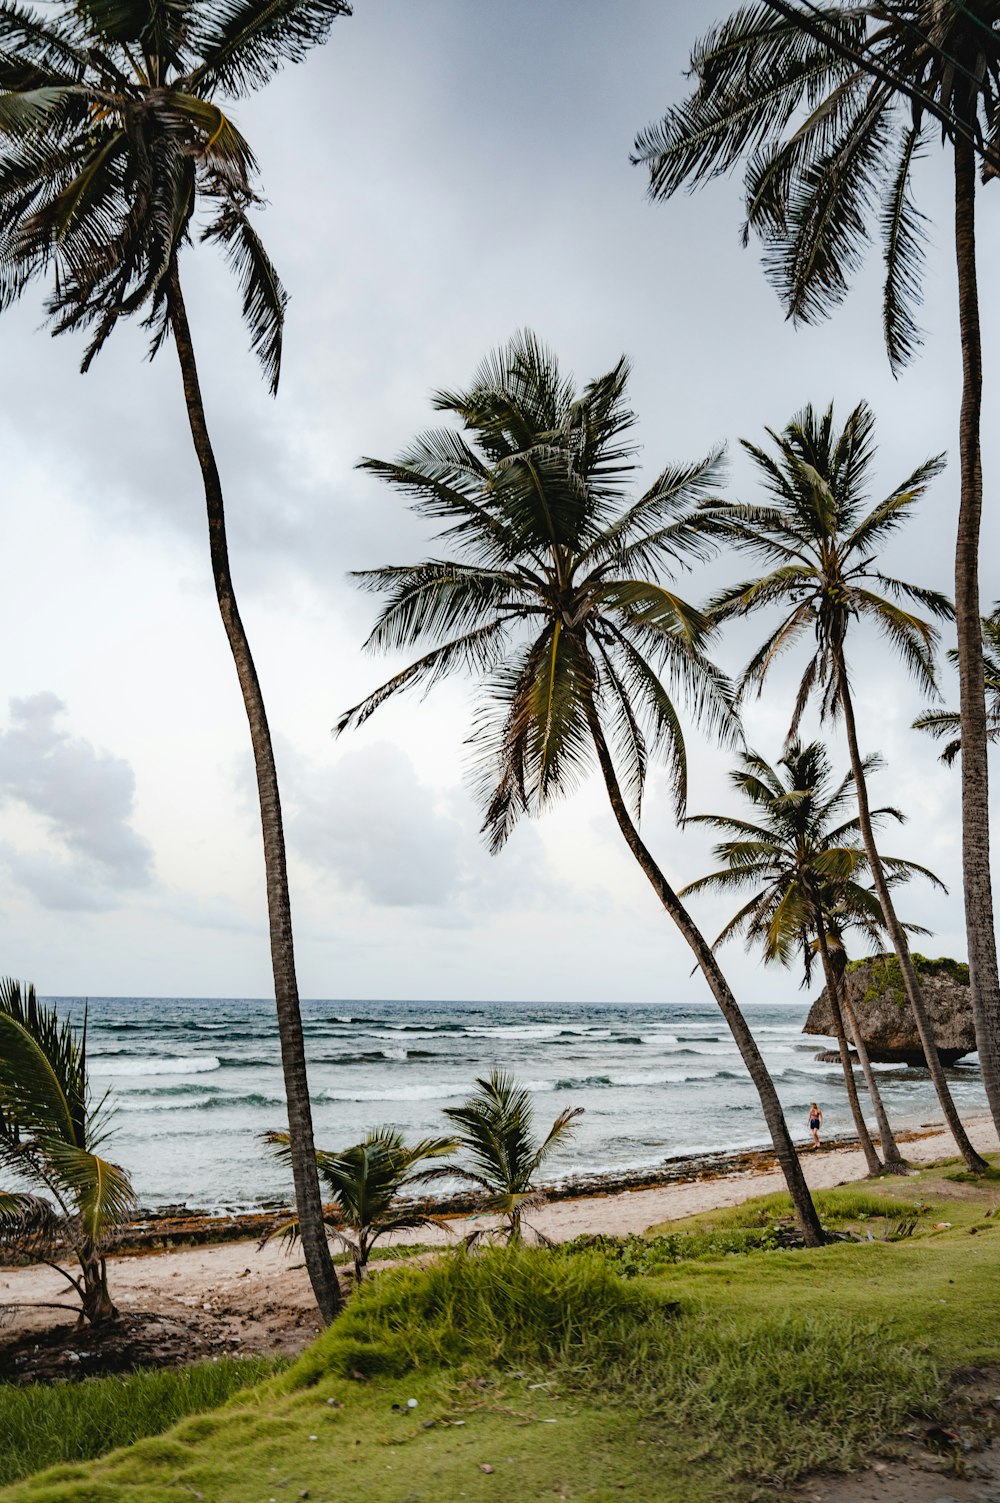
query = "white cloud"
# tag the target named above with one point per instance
(83, 801)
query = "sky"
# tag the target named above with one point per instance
(437, 176)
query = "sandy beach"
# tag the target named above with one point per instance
(236, 1297)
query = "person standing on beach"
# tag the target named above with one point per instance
(815, 1123)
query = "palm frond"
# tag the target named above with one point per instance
(43, 1079)
(902, 241)
(264, 297)
(243, 43)
(102, 1191)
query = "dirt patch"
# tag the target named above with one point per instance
(169, 1316)
(956, 1462)
(138, 1339)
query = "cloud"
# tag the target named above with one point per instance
(374, 825)
(397, 842)
(83, 798)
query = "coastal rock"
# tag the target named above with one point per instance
(876, 992)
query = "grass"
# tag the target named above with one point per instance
(42, 1424)
(718, 1379)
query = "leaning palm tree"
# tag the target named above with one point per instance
(113, 146)
(947, 723)
(496, 1128)
(831, 106)
(804, 863)
(818, 544)
(365, 1183)
(552, 600)
(70, 1200)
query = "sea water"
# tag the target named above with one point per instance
(195, 1082)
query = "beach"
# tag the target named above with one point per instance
(237, 1297)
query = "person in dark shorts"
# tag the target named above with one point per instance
(815, 1123)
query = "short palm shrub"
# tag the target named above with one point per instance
(366, 1182)
(50, 1130)
(495, 1127)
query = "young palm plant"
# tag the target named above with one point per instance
(112, 143)
(803, 862)
(831, 106)
(947, 723)
(496, 1128)
(552, 599)
(50, 1133)
(365, 1183)
(818, 545)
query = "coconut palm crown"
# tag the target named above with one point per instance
(818, 541)
(829, 148)
(551, 594)
(113, 137)
(801, 856)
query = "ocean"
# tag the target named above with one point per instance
(194, 1082)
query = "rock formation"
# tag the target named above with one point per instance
(875, 989)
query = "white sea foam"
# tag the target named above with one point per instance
(186, 1064)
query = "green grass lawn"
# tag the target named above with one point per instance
(537, 1377)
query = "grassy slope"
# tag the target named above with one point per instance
(778, 1361)
(40, 1425)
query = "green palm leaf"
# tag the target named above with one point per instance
(243, 43)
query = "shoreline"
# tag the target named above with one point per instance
(172, 1226)
(196, 1300)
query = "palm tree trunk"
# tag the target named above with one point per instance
(805, 1211)
(97, 1306)
(293, 1058)
(896, 933)
(980, 934)
(833, 992)
(894, 1162)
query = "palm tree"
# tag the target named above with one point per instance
(366, 1182)
(50, 1133)
(112, 142)
(942, 723)
(496, 1128)
(550, 602)
(802, 861)
(818, 545)
(831, 107)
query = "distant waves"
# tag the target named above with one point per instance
(196, 1082)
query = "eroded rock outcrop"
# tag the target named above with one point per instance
(875, 988)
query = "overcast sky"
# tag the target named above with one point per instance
(438, 176)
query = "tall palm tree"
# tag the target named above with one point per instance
(942, 723)
(496, 1128)
(552, 600)
(112, 144)
(831, 106)
(50, 1133)
(803, 862)
(366, 1182)
(818, 545)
